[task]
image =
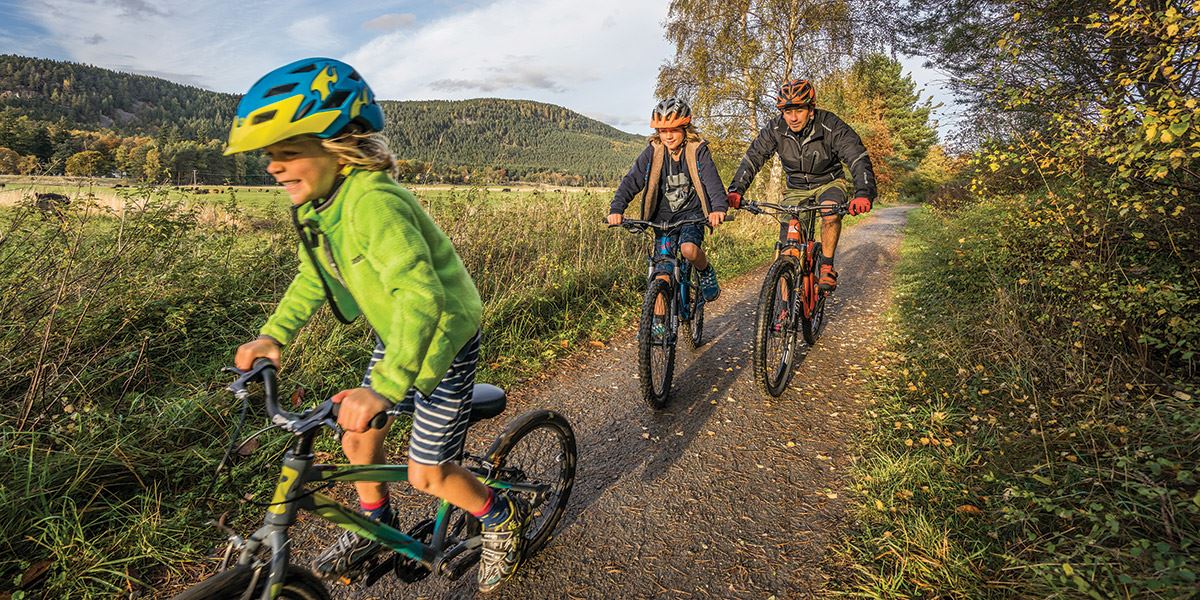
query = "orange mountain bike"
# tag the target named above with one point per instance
(790, 301)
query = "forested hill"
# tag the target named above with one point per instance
(515, 137)
(51, 111)
(88, 97)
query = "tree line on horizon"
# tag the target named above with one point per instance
(70, 119)
(64, 118)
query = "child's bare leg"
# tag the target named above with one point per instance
(695, 255)
(450, 482)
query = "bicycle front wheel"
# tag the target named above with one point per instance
(774, 329)
(656, 344)
(538, 447)
(232, 584)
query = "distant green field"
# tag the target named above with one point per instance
(256, 201)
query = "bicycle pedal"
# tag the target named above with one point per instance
(379, 569)
(365, 567)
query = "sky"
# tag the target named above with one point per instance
(600, 58)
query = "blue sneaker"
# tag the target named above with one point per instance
(708, 284)
(503, 545)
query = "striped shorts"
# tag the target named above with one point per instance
(439, 420)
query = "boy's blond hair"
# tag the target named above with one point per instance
(367, 151)
(691, 134)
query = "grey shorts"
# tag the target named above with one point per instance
(439, 420)
(834, 192)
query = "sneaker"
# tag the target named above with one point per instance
(708, 284)
(347, 552)
(828, 281)
(503, 545)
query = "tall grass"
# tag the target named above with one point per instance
(116, 320)
(1023, 443)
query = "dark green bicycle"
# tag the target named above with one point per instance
(534, 456)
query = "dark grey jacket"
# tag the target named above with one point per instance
(812, 157)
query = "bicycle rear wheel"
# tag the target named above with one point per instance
(538, 447)
(814, 321)
(694, 327)
(231, 584)
(774, 329)
(656, 345)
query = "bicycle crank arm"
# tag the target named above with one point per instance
(460, 558)
(379, 569)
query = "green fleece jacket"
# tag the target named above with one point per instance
(384, 258)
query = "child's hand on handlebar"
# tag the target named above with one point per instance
(615, 219)
(716, 218)
(359, 406)
(263, 347)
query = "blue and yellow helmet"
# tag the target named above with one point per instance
(316, 96)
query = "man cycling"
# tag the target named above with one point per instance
(812, 144)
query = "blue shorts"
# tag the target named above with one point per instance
(688, 234)
(439, 420)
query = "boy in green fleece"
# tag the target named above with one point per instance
(368, 248)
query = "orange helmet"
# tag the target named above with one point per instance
(670, 113)
(797, 93)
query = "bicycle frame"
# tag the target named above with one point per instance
(664, 259)
(292, 494)
(799, 244)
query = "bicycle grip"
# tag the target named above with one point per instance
(379, 421)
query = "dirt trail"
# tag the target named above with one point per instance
(723, 494)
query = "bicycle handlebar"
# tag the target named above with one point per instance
(325, 414)
(638, 226)
(756, 208)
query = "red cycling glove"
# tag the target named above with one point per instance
(859, 206)
(735, 199)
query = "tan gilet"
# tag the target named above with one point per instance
(650, 194)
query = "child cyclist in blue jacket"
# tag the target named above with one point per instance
(674, 179)
(367, 248)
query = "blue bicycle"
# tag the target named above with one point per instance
(673, 303)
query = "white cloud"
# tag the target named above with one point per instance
(316, 32)
(390, 22)
(215, 45)
(601, 59)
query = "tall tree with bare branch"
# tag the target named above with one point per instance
(730, 54)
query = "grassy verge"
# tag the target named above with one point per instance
(116, 321)
(1020, 444)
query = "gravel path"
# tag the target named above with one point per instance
(723, 494)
